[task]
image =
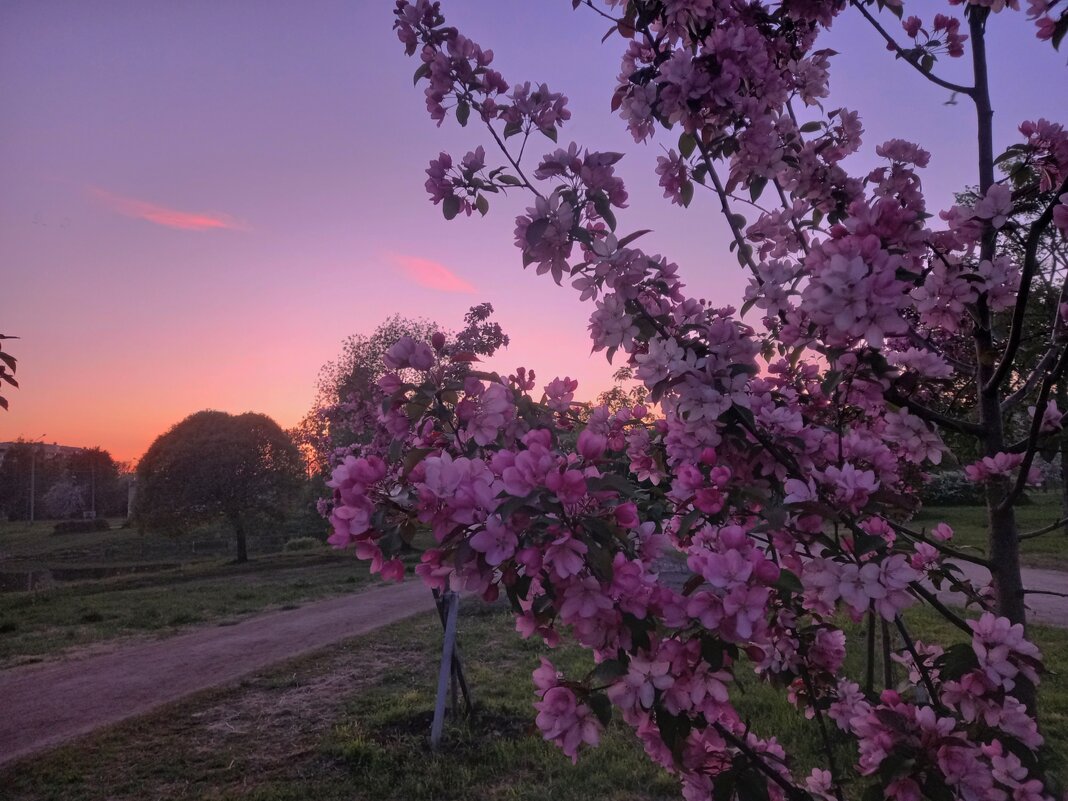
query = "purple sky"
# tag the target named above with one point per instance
(201, 200)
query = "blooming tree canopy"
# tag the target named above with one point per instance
(782, 460)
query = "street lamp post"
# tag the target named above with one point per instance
(34, 443)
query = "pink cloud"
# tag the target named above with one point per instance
(431, 274)
(161, 215)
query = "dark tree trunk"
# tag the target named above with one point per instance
(1062, 402)
(239, 532)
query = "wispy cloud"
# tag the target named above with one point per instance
(430, 274)
(161, 215)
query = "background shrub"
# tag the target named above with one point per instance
(81, 526)
(303, 544)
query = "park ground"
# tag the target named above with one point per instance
(103, 588)
(351, 721)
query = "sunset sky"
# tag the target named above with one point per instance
(201, 200)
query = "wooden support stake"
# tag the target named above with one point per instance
(450, 601)
(457, 664)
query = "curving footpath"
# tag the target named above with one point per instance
(1049, 609)
(46, 704)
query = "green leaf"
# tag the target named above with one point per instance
(611, 481)
(688, 522)
(687, 193)
(509, 180)
(956, 661)
(606, 672)
(723, 787)
(756, 188)
(422, 72)
(874, 792)
(631, 237)
(1059, 30)
(550, 133)
(811, 127)
(604, 208)
(450, 206)
(536, 230)
(463, 112)
(788, 583)
(414, 457)
(601, 707)
(866, 543)
(600, 561)
(713, 651)
(752, 785)
(482, 205)
(687, 143)
(674, 729)
(583, 236)
(415, 410)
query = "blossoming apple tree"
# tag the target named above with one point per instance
(790, 435)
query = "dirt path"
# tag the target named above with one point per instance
(1049, 609)
(1052, 610)
(47, 704)
(44, 705)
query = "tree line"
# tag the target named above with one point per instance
(61, 485)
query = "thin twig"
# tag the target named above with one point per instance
(906, 57)
(1030, 535)
(925, 675)
(1046, 592)
(947, 550)
(946, 612)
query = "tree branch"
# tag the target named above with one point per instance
(792, 791)
(906, 57)
(745, 251)
(1030, 265)
(931, 416)
(946, 612)
(1038, 532)
(1013, 400)
(1036, 429)
(941, 548)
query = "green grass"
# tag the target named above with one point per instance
(970, 529)
(24, 546)
(352, 723)
(94, 587)
(44, 622)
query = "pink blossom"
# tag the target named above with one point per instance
(496, 541)
(563, 719)
(565, 556)
(409, 353)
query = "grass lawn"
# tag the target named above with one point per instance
(969, 527)
(24, 546)
(104, 585)
(351, 723)
(44, 622)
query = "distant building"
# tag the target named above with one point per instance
(44, 450)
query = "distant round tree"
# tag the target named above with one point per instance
(64, 499)
(215, 465)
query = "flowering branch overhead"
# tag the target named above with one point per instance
(784, 458)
